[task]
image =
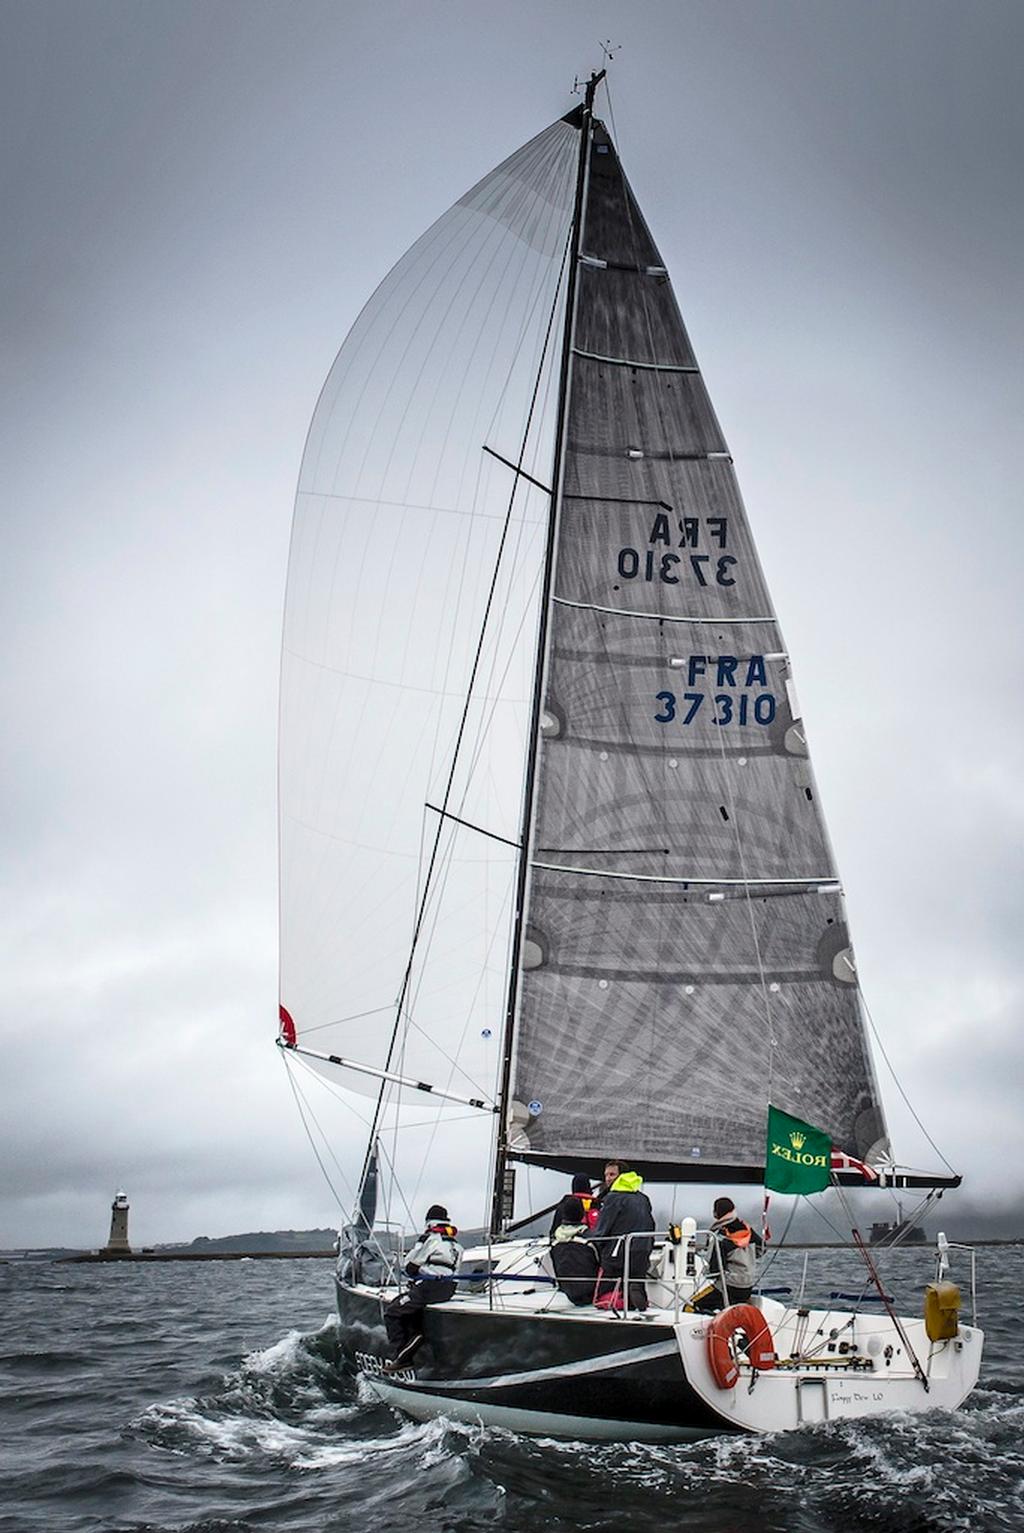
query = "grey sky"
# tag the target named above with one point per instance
(197, 201)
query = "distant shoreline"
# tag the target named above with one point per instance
(105, 1258)
(108, 1257)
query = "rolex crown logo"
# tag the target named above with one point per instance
(796, 1139)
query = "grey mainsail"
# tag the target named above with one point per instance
(686, 955)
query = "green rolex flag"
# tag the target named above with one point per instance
(797, 1157)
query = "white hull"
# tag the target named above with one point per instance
(789, 1396)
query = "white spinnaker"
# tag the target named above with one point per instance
(397, 522)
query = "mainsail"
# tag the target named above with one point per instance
(685, 956)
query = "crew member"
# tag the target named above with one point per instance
(431, 1267)
(733, 1249)
(577, 1212)
(625, 1210)
(612, 1169)
(572, 1256)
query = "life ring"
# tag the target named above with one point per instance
(760, 1350)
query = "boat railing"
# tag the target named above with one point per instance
(944, 1247)
(689, 1263)
(685, 1245)
(685, 1279)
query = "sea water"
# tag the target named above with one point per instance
(207, 1397)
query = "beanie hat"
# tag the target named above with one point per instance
(435, 1211)
(723, 1206)
(581, 1183)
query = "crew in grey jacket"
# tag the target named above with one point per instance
(431, 1266)
(734, 1247)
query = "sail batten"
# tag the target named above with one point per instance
(687, 879)
(658, 367)
(657, 617)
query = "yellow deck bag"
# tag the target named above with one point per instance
(941, 1311)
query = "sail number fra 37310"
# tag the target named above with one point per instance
(739, 706)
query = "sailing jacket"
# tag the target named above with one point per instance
(625, 1210)
(436, 1254)
(575, 1215)
(739, 1246)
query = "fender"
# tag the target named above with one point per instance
(760, 1343)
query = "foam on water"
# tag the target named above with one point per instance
(871, 1470)
(139, 1433)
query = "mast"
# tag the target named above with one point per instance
(564, 380)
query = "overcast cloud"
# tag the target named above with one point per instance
(197, 201)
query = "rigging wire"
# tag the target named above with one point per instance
(777, 1245)
(439, 832)
(543, 158)
(329, 1087)
(492, 696)
(357, 1016)
(319, 1127)
(899, 1086)
(475, 756)
(480, 980)
(299, 1102)
(490, 429)
(350, 1219)
(484, 726)
(396, 1185)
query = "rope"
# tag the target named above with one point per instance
(299, 1100)
(877, 1281)
(899, 1086)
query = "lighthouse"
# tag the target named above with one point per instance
(118, 1245)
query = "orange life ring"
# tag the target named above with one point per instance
(760, 1343)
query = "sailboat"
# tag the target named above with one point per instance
(554, 870)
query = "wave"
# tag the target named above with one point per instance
(293, 1407)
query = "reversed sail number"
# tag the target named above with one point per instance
(714, 568)
(663, 567)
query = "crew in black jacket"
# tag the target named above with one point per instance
(625, 1210)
